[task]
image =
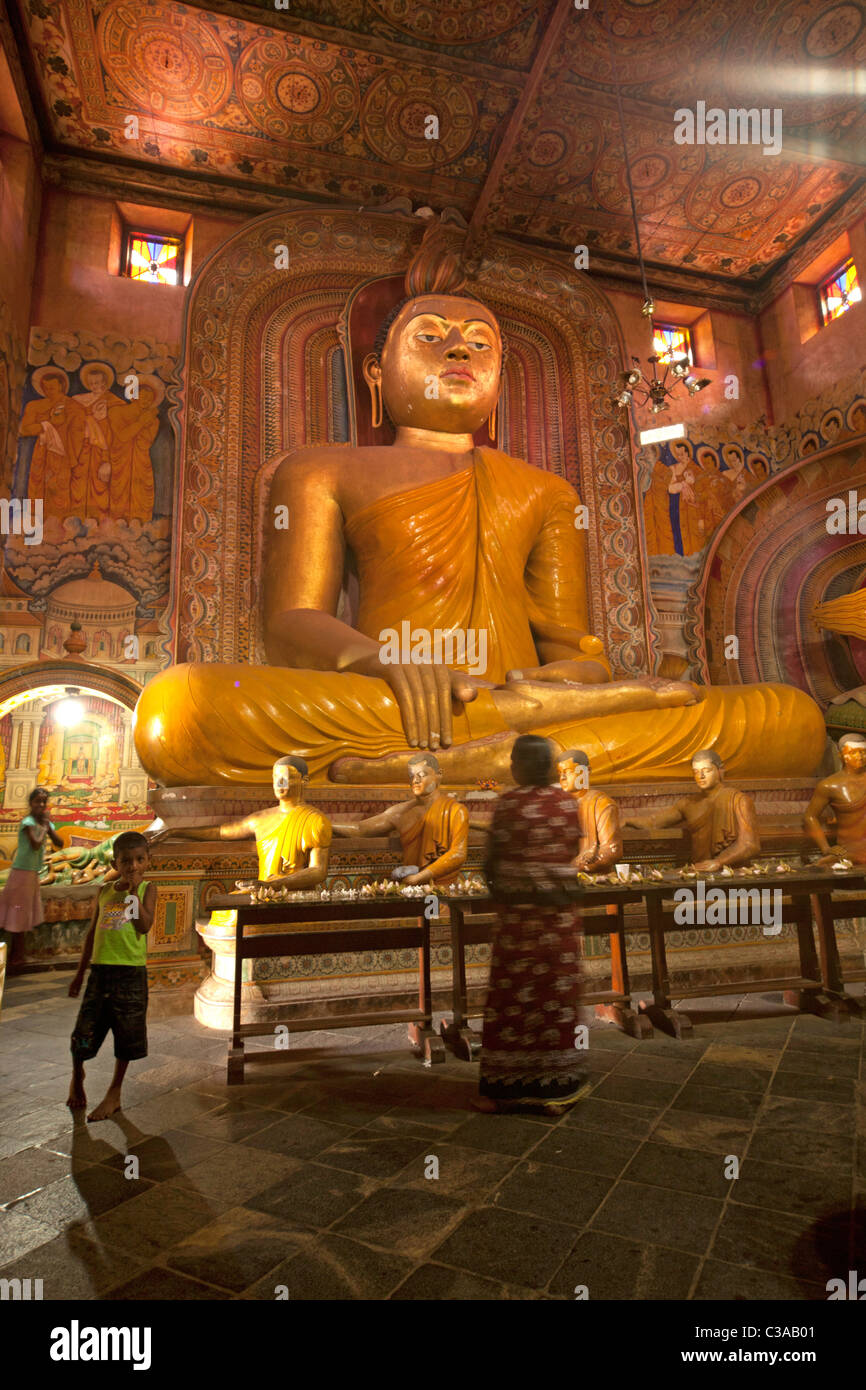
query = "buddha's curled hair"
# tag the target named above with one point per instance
(437, 266)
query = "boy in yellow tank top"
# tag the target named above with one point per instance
(116, 996)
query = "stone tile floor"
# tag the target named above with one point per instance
(317, 1174)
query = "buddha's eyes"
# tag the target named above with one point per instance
(478, 345)
(428, 337)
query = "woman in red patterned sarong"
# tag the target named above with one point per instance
(528, 1055)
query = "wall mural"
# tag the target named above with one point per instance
(101, 463)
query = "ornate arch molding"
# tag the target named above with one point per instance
(74, 673)
(262, 369)
(766, 570)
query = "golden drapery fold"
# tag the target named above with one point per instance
(492, 549)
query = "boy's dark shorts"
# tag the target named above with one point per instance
(115, 1001)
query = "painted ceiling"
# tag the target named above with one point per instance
(329, 99)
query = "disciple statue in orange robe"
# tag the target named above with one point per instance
(433, 827)
(844, 794)
(58, 471)
(456, 541)
(600, 844)
(721, 823)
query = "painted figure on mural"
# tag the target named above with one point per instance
(96, 401)
(740, 479)
(713, 492)
(92, 454)
(57, 473)
(134, 425)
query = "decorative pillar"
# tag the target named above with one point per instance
(23, 769)
(132, 778)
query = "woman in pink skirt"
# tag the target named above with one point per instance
(20, 902)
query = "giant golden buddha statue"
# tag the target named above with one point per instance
(451, 540)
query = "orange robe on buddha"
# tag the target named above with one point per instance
(492, 548)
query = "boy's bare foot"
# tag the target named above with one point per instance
(76, 1100)
(108, 1106)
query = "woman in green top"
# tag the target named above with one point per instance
(20, 903)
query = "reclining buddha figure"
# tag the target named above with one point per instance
(446, 538)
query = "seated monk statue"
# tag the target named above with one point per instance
(721, 823)
(464, 543)
(433, 827)
(293, 839)
(600, 843)
(843, 793)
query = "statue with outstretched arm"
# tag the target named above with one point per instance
(293, 839)
(433, 827)
(721, 823)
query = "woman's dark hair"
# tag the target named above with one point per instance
(37, 791)
(534, 756)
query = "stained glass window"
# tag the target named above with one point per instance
(155, 259)
(671, 344)
(840, 292)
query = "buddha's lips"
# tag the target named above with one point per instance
(459, 371)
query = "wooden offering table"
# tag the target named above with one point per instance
(472, 921)
(814, 990)
(300, 928)
(804, 892)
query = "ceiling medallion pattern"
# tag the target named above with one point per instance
(298, 91)
(161, 61)
(396, 108)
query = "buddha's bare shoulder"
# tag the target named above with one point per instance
(324, 463)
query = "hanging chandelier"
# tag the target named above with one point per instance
(634, 384)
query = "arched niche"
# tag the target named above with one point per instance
(768, 567)
(263, 372)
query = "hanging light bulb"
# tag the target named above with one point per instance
(70, 711)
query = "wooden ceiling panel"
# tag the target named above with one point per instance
(332, 100)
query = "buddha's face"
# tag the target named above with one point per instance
(706, 774)
(854, 756)
(423, 779)
(440, 365)
(53, 387)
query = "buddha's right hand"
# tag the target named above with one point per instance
(424, 693)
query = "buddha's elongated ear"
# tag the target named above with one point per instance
(372, 371)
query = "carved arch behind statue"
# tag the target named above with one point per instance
(772, 562)
(262, 372)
